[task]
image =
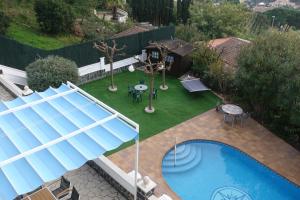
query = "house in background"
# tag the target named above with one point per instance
(137, 28)
(122, 15)
(179, 52)
(229, 49)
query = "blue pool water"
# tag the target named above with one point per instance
(207, 170)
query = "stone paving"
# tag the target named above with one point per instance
(90, 185)
(252, 138)
(4, 94)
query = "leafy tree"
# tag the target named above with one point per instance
(268, 81)
(83, 9)
(4, 22)
(223, 20)
(54, 16)
(183, 13)
(192, 35)
(208, 65)
(51, 71)
(289, 16)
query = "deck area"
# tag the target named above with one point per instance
(252, 138)
(89, 184)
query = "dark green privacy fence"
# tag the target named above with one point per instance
(17, 55)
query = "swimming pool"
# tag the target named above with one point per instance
(207, 170)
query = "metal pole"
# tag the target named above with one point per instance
(136, 167)
(175, 148)
(273, 20)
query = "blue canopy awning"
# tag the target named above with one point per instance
(46, 134)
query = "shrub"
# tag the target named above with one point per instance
(54, 16)
(208, 65)
(268, 82)
(51, 71)
(4, 22)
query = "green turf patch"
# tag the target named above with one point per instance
(171, 108)
(34, 38)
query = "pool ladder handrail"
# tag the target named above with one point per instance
(175, 148)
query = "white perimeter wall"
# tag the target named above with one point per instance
(19, 77)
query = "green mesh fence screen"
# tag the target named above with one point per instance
(17, 55)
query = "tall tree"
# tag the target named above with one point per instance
(226, 19)
(268, 81)
(150, 69)
(158, 12)
(183, 13)
(110, 52)
(164, 64)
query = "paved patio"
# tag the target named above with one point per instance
(4, 94)
(252, 138)
(90, 185)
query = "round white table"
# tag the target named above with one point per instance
(232, 109)
(141, 87)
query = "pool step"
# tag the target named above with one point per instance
(179, 155)
(182, 158)
(191, 158)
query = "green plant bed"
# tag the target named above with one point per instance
(171, 107)
(31, 37)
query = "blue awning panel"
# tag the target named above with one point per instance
(46, 134)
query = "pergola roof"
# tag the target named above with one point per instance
(46, 134)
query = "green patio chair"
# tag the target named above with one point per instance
(137, 96)
(130, 90)
(142, 82)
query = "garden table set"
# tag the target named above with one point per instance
(232, 113)
(141, 87)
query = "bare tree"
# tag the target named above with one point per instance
(110, 52)
(150, 69)
(164, 52)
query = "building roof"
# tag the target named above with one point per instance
(176, 46)
(139, 28)
(229, 48)
(48, 133)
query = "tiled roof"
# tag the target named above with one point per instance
(134, 30)
(177, 46)
(229, 48)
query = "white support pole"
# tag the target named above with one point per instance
(136, 167)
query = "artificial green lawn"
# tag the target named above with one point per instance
(34, 38)
(172, 106)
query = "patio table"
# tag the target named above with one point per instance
(43, 194)
(141, 87)
(233, 110)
